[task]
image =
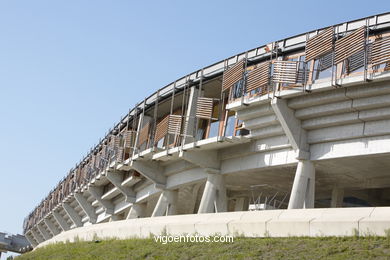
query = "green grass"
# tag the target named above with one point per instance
(242, 248)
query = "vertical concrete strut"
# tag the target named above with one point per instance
(86, 207)
(190, 120)
(166, 204)
(73, 215)
(214, 197)
(97, 193)
(61, 221)
(302, 193)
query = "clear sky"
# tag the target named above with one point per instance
(70, 69)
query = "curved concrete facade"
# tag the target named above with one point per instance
(263, 130)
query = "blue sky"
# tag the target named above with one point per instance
(70, 69)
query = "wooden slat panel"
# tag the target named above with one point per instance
(129, 138)
(120, 155)
(349, 45)
(204, 108)
(161, 129)
(380, 51)
(285, 72)
(258, 77)
(174, 124)
(143, 135)
(320, 44)
(232, 75)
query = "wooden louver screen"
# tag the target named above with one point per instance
(258, 77)
(232, 75)
(143, 134)
(380, 52)
(319, 45)
(161, 129)
(349, 45)
(174, 124)
(204, 107)
(129, 138)
(285, 72)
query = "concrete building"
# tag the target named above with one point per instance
(299, 123)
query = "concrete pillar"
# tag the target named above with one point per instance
(43, 231)
(37, 235)
(97, 193)
(166, 204)
(137, 211)
(242, 204)
(190, 120)
(214, 197)
(76, 219)
(302, 193)
(61, 221)
(337, 197)
(53, 229)
(86, 206)
(31, 239)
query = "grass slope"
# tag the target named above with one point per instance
(241, 248)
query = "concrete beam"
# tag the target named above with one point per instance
(115, 177)
(53, 229)
(214, 198)
(137, 210)
(208, 160)
(302, 193)
(86, 206)
(73, 215)
(166, 204)
(151, 170)
(43, 231)
(61, 221)
(97, 193)
(292, 127)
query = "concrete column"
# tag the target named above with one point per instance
(97, 193)
(242, 204)
(214, 197)
(61, 221)
(302, 193)
(166, 204)
(31, 239)
(86, 206)
(337, 197)
(137, 211)
(76, 219)
(190, 120)
(43, 231)
(37, 235)
(53, 229)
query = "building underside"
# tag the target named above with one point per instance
(303, 122)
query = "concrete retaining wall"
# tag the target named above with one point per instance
(273, 223)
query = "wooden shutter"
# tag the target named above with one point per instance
(319, 45)
(204, 108)
(143, 134)
(174, 124)
(233, 74)
(258, 77)
(380, 51)
(161, 129)
(285, 72)
(349, 45)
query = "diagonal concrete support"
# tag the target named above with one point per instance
(30, 237)
(53, 229)
(97, 193)
(214, 198)
(302, 193)
(43, 231)
(151, 170)
(208, 160)
(166, 204)
(137, 210)
(76, 219)
(61, 221)
(37, 235)
(86, 206)
(115, 177)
